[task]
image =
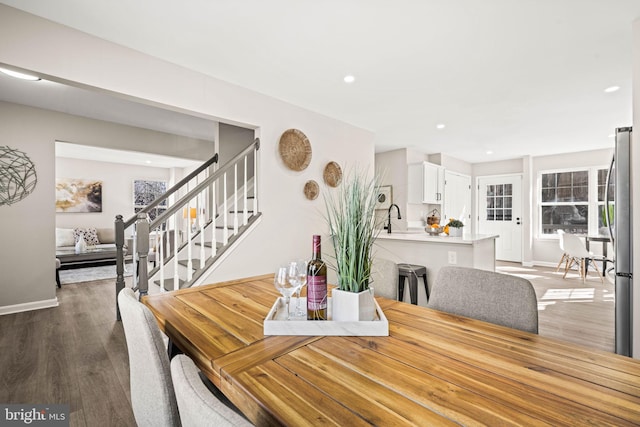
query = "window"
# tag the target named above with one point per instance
(573, 201)
(145, 192)
(602, 183)
(499, 202)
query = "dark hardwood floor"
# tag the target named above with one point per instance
(76, 353)
(73, 354)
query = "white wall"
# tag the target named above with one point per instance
(63, 54)
(27, 253)
(117, 189)
(31, 279)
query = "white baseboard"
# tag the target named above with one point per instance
(545, 264)
(28, 306)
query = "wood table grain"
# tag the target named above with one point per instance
(433, 369)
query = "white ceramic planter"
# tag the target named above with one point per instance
(351, 306)
(455, 232)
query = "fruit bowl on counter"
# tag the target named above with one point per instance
(434, 230)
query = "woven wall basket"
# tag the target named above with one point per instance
(332, 174)
(295, 149)
(311, 190)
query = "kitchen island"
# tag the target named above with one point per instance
(418, 247)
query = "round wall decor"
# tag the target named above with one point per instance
(295, 149)
(17, 175)
(311, 190)
(332, 174)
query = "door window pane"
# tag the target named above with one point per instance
(499, 196)
(507, 202)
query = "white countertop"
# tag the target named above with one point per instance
(423, 236)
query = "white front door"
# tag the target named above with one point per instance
(500, 212)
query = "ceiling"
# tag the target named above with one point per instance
(509, 77)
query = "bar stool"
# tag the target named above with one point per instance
(411, 272)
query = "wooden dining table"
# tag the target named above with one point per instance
(433, 369)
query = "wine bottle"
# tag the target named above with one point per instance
(316, 284)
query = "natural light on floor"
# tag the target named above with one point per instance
(524, 272)
(552, 296)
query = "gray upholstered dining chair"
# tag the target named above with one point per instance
(485, 295)
(198, 406)
(152, 396)
(384, 278)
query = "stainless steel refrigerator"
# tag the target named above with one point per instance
(620, 229)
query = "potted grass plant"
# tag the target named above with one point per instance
(350, 213)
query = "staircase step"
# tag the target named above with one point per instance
(208, 244)
(195, 262)
(220, 227)
(168, 284)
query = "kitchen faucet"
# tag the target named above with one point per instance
(388, 226)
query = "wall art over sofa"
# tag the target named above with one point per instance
(78, 195)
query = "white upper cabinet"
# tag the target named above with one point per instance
(457, 203)
(425, 183)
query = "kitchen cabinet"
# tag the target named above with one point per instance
(425, 183)
(457, 203)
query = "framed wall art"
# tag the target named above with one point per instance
(78, 195)
(384, 197)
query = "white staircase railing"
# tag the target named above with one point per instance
(211, 211)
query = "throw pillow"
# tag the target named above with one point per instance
(65, 237)
(90, 235)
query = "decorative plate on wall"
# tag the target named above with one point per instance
(311, 190)
(332, 174)
(295, 149)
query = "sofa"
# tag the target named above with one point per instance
(100, 246)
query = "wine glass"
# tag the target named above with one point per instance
(285, 286)
(298, 273)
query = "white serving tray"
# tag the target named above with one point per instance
(276, 324)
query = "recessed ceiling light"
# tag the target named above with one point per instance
(489, 152)
(440, 126)
(612, 89)
(611, 135)
(349, 79)
(18, 75)
(148, 162)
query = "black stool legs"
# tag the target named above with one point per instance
(411, 272)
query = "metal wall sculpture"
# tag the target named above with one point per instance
(17, 175)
